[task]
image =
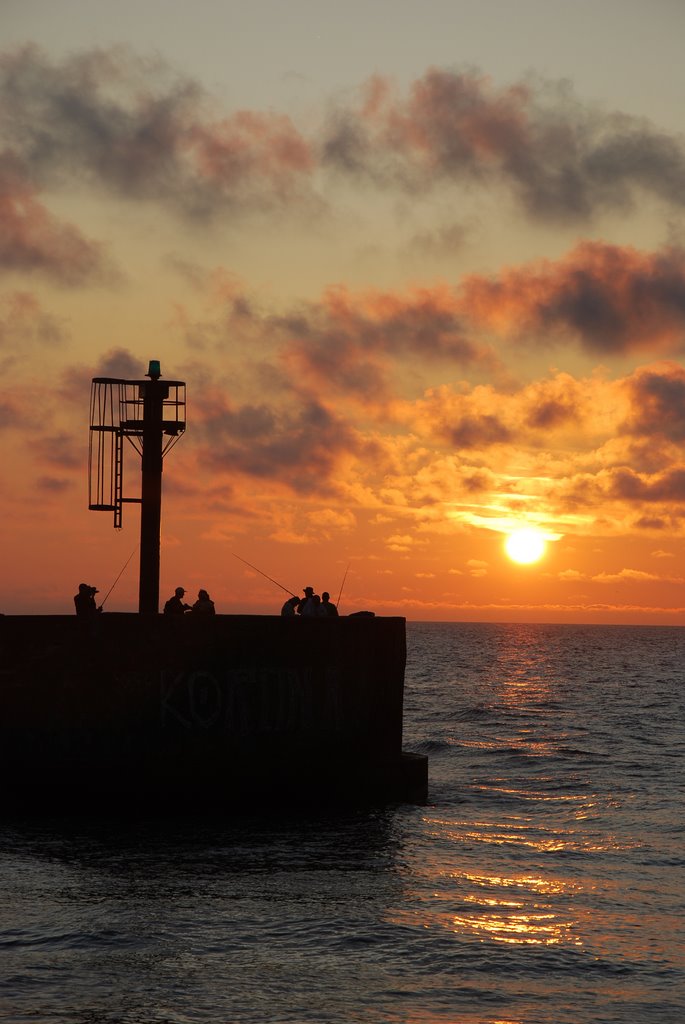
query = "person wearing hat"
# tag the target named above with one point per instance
(85, 601)
(306, 605)
(175, 605)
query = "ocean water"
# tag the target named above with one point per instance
(542, 884)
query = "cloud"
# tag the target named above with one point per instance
(60, 449)
(479, 417)
(563, 160)
(25, 327)
(349, 341)
(440, 242)
(300, 447)
(138, 129)
(118, 363)
(555, 403)
(622, 576)
(477, 432)
(12, 415)
(622, 496)
(249, 145)
(400, 542)
(657, 396)
(626, 575)
(32, 240)
(54, 485)
(628, 485)
(611, 299)
(327, 519)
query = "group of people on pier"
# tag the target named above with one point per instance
(311, 605)
(177, 606)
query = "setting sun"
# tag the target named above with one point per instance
(525, 546)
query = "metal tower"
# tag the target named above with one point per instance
(151, 414)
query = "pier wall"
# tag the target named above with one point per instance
(155, 710)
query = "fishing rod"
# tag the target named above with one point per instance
(342, 585)
(119, 576)
(263, 574)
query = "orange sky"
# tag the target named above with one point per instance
(414, 311)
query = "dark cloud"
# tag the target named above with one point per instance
(348, 342)
(620, 299)
(119, 362)
(25, 326)
(652, 523)
(627, 485)
(299, 448)
(136, 128)
(554, 403)
(477, 481)
(31, 239)
(53, 485)
(658, 402)
(61, 450)
(477, 432)
(612, 299)
(550, 414)
(139, 129)
(11, 415)
(563, 160)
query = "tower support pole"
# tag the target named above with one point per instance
(151, 495)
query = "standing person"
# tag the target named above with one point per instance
(290, 606)
(327, 606)
(175, 605)
(204, 604)
(84, 601)
(306, 605)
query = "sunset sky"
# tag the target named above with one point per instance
(420, 264)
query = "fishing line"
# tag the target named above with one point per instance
(119, 576)
(342, 585)
(263, 574)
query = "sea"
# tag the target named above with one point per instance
(543, 882)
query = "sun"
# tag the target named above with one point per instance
(525, 545)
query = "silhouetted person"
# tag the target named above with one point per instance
(175, 605)
(204, 604)
(85, 601)
(327, 606)
(290, 606)
(306, 605)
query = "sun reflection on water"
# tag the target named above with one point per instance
(519, 832)
(510, 909)
(517, 929)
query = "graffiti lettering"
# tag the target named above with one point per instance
(205, 699)
(250, 699)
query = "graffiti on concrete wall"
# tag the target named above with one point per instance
(251, 699)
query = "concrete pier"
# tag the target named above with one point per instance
(163, 712)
